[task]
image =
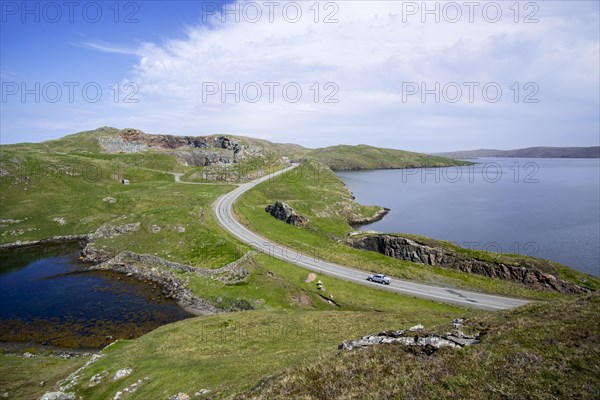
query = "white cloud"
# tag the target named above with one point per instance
(368, 55)
(106, 48)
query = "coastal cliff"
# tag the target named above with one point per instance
(189, 150)
(522, 271)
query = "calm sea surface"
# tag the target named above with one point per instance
(547, 208)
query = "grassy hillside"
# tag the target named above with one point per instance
(47, 192)
(316, 192)
(81, 142)
(287, 149)
(345, 157)
(50, 194)
(229, 353)
(68, 187)
(29, 378)
(84, 147)
(539, 351)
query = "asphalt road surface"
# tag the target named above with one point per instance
(223, 208)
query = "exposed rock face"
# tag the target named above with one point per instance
(190, 150)
(410, 250)
(58, 396)
(180, 396)
(360, 220)
(205, 158)
(174, 142)
(122, 373)
(173, 287)
(133, 140)
(146, 267)
(130, 389)
(284, 212)
(413, 337)
(96, 255)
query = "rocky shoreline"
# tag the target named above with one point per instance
(410, 250)
(378, 216)
(148, 268)
(145, 267)
(171, 286)
(20, 244)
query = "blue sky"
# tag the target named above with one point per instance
(382, 73)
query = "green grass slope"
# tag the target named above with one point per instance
(60, 187)
(359, 157)
(229, 353)
(539, 351)
(314, 191)
(85, 145)
(344, 157)
(81, 142)
(48, 194)
(29, 378)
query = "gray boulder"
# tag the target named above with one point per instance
(284, 212)
(58, 396)
(180, 396)
(436, 342)
(413, 336)
(122, 373)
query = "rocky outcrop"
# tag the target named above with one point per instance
(190, 150)
(122, 373)
(110, 231)
(130, 389)
(205, 158)
(410, 250)
(58, 396)
(172, 286)
(412, 337)
(234, 268)
(174, 142)
(145, 267)
(91, 253)
(284, 212)
(180, 396)
(133, 140)
(75, 377)
(355, 220)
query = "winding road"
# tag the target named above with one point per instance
(223, 208)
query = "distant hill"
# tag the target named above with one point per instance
(225, 148)
(530, 152)
(359, 157)
(344, 157)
